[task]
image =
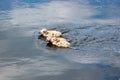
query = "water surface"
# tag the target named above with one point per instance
(91, 26)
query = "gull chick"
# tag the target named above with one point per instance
(45, 33)
(59, 42)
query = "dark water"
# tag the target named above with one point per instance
(91, 26)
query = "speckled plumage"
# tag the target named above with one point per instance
(60, 42)
(54, 38)
(45, 33)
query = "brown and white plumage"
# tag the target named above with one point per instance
(53, 37)
(45, 33)
(60, 42)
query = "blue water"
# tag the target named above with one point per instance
(91, 26)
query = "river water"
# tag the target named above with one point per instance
(91, 26)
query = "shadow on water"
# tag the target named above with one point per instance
(91, 26)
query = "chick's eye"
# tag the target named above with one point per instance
(57, 40)
(45, 32)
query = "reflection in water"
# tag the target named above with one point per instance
(25, 57)
(42, 66)
(63, 12)
(94, 44)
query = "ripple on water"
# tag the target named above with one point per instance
(94, 43)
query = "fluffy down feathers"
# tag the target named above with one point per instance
(46, 33)
(54, 38)
(60, 42)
